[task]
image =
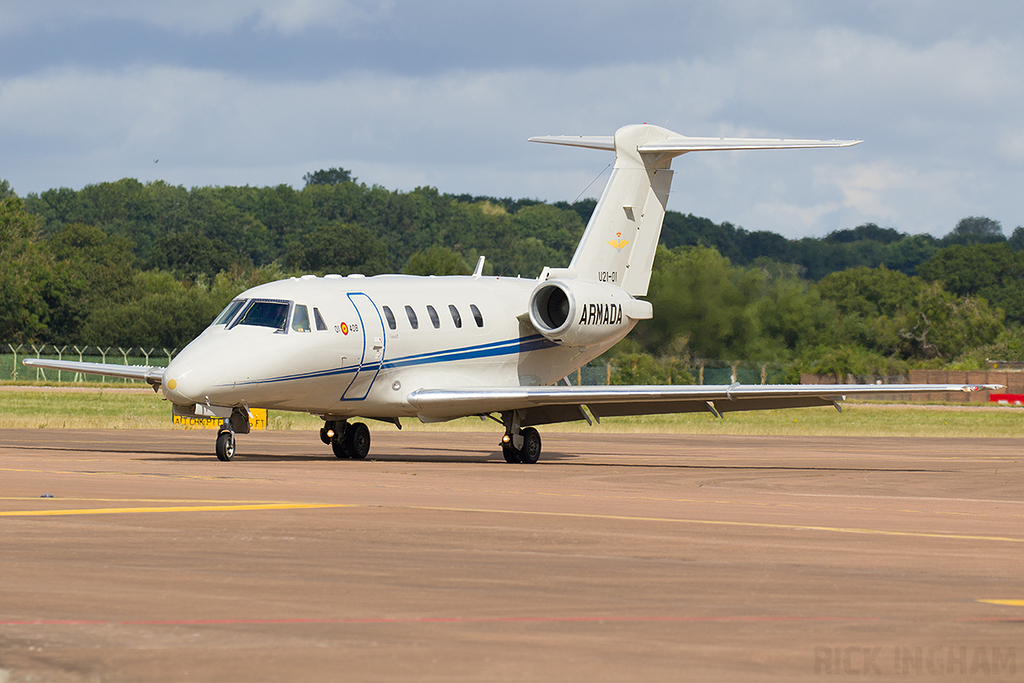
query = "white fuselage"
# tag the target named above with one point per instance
(464, 332)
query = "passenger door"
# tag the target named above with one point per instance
(371, 325)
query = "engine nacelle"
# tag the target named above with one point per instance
(584, 313)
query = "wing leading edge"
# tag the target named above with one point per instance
(154, 376)
(542, 405)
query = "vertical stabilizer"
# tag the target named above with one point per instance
(621, 238)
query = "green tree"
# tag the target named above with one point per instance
(331, 176)
(436, 261)
(975, 230)
(26, 274)
(992, 271)
(92, 269)
(164, 313)
(340, 248)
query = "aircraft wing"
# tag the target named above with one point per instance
(154, 376)
(542, 405)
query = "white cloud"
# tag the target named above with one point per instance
(937, 104)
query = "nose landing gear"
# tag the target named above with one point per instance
(225, 444)
(238, 422)
(346, 440)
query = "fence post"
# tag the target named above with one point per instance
(39, 371)
(124, 354)
(735, 365)
(14, 370)
(60, 356)
(764, 373)
(79, 351)
(608, 373)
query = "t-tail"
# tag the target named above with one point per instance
(621, 238)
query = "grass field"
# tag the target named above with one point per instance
(110, 408)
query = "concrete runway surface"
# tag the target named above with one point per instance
(624, 557)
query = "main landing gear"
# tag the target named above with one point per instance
(346, 440)
(519, 445)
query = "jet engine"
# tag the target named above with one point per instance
(583, 313)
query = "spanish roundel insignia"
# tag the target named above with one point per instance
(344, 328)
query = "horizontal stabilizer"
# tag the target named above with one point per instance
(152, 375)
(681, 144)
(606, 142)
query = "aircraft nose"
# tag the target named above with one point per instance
(178, 388)
(188, 379)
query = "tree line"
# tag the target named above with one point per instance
(130, 263)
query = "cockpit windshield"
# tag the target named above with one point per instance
(229, 312)
(272, 314)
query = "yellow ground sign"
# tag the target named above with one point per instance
(257, 420)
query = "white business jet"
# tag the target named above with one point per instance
(437, 348)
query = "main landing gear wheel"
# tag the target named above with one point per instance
(347, 440)
(357, 441)
(225, 446)
(529, 453)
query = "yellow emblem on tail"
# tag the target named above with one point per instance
(619, 243)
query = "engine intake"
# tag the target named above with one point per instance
(583, 313)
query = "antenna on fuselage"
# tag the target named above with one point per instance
(479, 267)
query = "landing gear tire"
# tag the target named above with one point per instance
(225, 446)
(357, 441)
(530, 452)
(339, 450)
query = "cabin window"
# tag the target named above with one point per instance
(229, 312)
(456, 316)
(300, 319)
(392, 323)
(412, 317)
(434, 320)
(477, 315)
(272, 314)
(320, 324)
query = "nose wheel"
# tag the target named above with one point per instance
(225, 445)
(238, 423)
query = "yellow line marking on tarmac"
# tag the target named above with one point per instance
(716, 522)
(140, 474)
(191, 501)
(181, 508)
(1011, 603)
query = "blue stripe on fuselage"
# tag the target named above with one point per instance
(519, 345)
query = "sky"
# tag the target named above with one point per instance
(444, 93)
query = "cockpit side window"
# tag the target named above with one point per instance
(320, 324)
(272, 314)
(229, 312)
(300, 319)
